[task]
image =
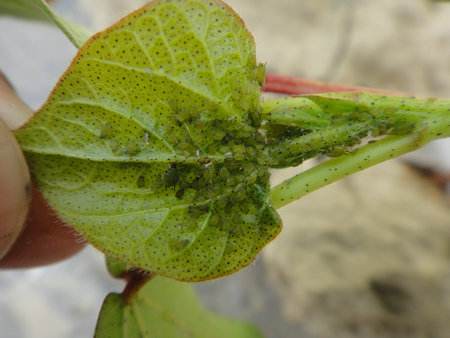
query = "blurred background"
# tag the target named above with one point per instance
(366, 257)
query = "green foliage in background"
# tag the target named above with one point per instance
(27, 9)
(39, 10)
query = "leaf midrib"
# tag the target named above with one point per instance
(132, 159)
(228, 192)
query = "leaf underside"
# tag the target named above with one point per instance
(165, 309)
(149, 143)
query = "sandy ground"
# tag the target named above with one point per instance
(402, 45)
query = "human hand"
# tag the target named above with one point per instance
(30, 232)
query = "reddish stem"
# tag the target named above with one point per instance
(297, 86)
(136, 279)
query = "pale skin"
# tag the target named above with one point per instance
(30, 232)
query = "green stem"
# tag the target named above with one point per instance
(338, 168)
(410, 123)
(327, 109)
(40, 10)
(75, 33)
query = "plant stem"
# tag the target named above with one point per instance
(75, 33)
(136, 279)
(408, 124)
(288, 85)
(338, 168)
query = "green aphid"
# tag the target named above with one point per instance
(190, 177)
(235, 231)
(141, 182)
(171, 177)
(252, 177)
(218, 135)
(214, 220)
(239, 152)
(179, 244)
(403, 126)
(184, 115)
(240, 195)
(337, 151)
(180, 193)
(198, 210)
(106, 131)
(132, 149)
(261, 74)
(186, 148)
(209, 174)
(146, 138)
(115, 146)
(205, 161)
(224, 173)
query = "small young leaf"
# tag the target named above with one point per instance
(39, 10)
(149, 144)
(165, 308)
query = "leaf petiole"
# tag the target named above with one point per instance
(75, 33)
(338, 168)
(410, 123)
(40, 10)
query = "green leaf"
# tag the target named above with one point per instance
(39, 10)
(27, 9)
(111, 322)
(165, 309)
(150, 146)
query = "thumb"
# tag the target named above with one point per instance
(14, 190)
(15, 186)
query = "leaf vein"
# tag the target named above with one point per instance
(119, 112)
(147, 71)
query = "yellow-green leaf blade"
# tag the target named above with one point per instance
(149, 144)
